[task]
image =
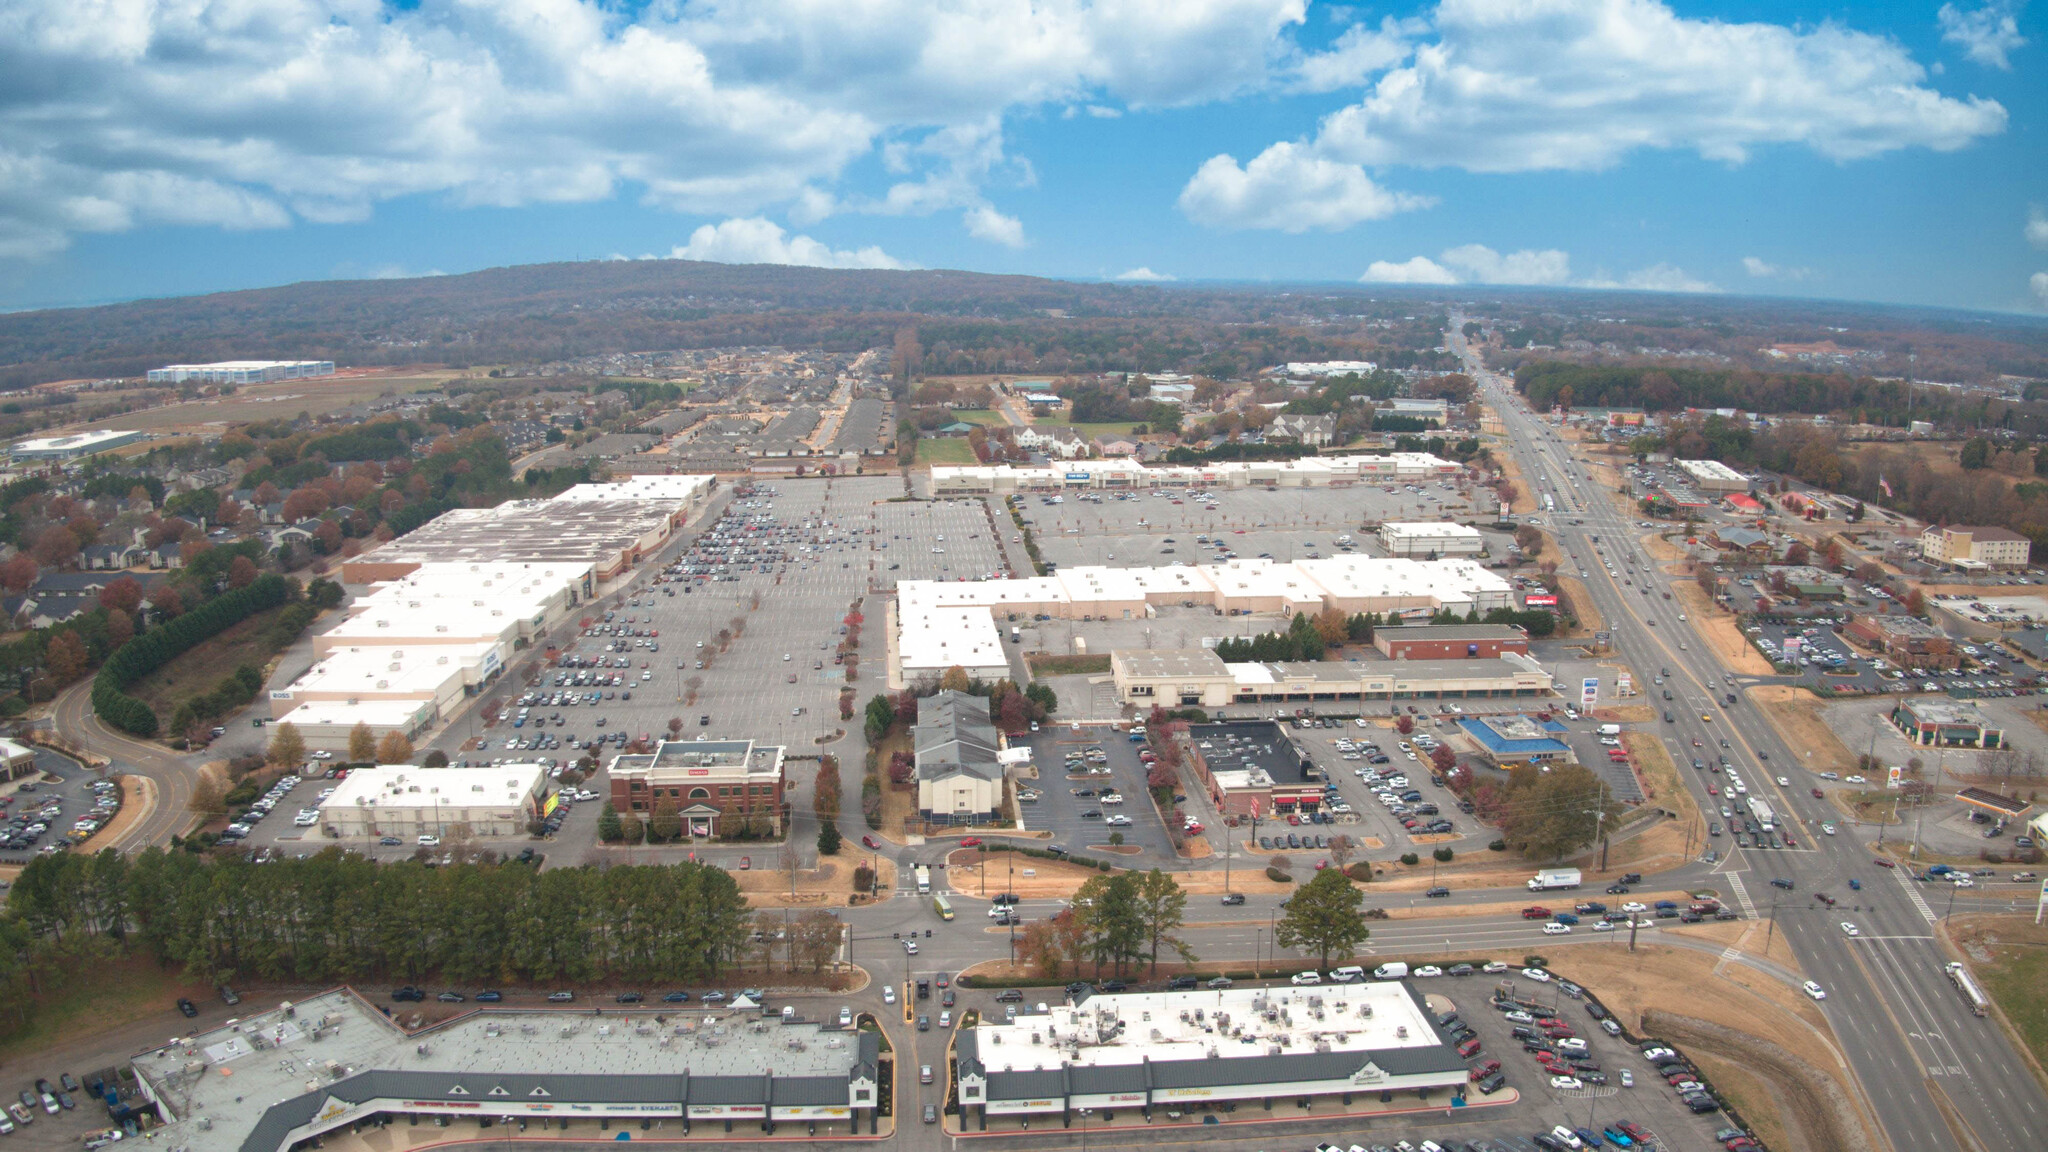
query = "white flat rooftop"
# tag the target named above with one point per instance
(377, 713)
(1429, 528)
(410, 786)
(1233, 1023)
(668, 489)
(392, 670)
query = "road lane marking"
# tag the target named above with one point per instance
(1741, 895)
(1913, 893)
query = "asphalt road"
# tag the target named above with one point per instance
(1900, 1023)
(170, 775)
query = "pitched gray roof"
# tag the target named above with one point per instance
(953, 734)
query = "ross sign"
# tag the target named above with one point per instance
(1589, 691)
(492, 662)
(280, 694)
(1077, 475)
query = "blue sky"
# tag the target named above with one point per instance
(1887, 152)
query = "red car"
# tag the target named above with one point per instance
(1882, 863)
(1817, 794)
(870, 842)
(971, 842)
(1485, 1068)
(1536, 912)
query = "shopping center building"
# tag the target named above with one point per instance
(1224, 1049)
(331, 1064)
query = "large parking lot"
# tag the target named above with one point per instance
(1405, 772)
(54, 804)
(1159, 527)
(1078, 822)
(737, 635)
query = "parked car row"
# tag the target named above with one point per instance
(410, 993)
(37, 816)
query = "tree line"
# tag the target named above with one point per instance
(159, 646)
(338, 916)
(1861, 399)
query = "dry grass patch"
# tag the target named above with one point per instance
(826, 886)
(1795, 713)
(1743, 1017)
(1582, 603)
(2009, 955)
(1525, 500)
(1049, 878)
(1722, 632)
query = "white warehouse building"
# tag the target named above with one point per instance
(408, 801)
(1423, 539)
(242, 371)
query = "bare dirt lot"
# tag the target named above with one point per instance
(827, 886)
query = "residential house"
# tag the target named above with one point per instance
(1313, 431)
(110, 557)
(1117, 445)
(1064, 443)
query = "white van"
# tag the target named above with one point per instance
(1346, 974)
(1395, 970)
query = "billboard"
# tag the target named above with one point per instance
(1624, 685)
(1539, 601)
(1589, 691)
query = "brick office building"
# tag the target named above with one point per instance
(1450, 641)
(711, 783)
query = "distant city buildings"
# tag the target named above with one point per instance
(242, 371)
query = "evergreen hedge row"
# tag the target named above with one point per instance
(160, 645)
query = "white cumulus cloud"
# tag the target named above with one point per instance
(258, 113)
(1145, 275)
(1414, 270)
(985, 223)
(1529, 266)
(1479, 264)
(1989, 35)
(1665, 278)
(753, 240)
(1764, 270)
(1361, 51)
(2037, 228)
(2039, 282)
(1578, 85)
(1289, 188)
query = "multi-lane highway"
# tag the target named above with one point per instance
(1902, 1026)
